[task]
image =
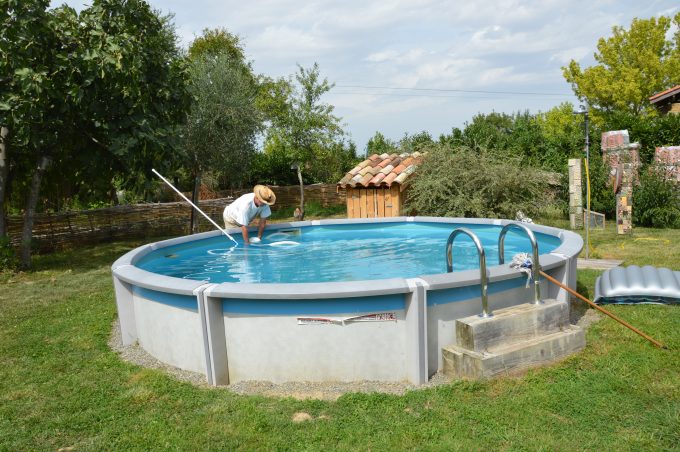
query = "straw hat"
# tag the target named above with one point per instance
(264, 194)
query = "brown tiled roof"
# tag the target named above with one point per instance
(664, 94)
(382, 170)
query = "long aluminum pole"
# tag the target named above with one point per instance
(194, 206)
(602, 310)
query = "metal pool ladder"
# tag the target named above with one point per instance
(535, 266)
(482, 264)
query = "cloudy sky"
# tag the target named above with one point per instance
(406, 66)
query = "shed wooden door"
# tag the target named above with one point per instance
(373, 202)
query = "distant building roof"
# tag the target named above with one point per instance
(382, 170)
(665, 94)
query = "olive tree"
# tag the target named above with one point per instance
(223, 122)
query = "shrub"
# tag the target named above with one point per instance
(656, 201)
(8, 257)
(462, 182)
(602, 197)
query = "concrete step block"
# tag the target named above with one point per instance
(463, 363)
(513, 324)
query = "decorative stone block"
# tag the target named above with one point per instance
(667, 159)
(575, 194)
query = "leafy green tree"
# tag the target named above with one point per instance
(224, 120)
(487, 131)
(650, 131)
(378, 144)
(95, 94)
(564, 136)
(303, 125)
(415, 142)
(217, 41)
(633, 64)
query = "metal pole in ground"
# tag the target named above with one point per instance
(588, 185)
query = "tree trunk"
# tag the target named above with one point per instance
(29, 213)
(194, 199)
(302, 194)
(4, 132)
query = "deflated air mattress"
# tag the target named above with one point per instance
(634, 285)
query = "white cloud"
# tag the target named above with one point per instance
(574, 53)
(286, 42)
(498, 45)
(379, 57)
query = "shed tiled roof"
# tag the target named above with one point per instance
(382, 170)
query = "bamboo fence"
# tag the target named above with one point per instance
(68, 229)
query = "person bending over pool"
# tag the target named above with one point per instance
(242, 211)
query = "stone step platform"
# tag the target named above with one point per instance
(510, 325)
(462, 363)
(511, 340)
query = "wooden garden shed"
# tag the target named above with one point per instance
(376, 186)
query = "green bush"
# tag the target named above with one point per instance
(462, 182)
(602, 196)
(656, 201)
(8, 257)
(312, 209)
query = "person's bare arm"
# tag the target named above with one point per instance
(244, 232)
(263, 223)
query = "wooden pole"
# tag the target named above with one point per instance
(602, 310)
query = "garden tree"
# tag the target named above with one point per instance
(102, 90)
(415, 142)
(378, 144)
(217, 41)
(133, 92)
(563, 135)
(650, 131)
(31, 77)
(24, 40)
(486, 131)
(516, 135)
(223, 121)
(633, 64)
(307, 126)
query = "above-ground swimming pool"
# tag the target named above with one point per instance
(331, 300)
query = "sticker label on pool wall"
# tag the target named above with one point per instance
(377, 317)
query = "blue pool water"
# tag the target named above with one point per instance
(336, 253)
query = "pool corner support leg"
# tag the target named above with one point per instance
(416, 332)
(126, 311)
(215, 339)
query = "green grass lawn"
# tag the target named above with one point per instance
(61, 386)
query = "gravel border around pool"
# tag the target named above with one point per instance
(134, 354)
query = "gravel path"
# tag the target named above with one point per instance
(582, 317)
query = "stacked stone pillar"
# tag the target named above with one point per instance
(575, 194)
(623, 159)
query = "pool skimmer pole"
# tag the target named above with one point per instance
(194, 206)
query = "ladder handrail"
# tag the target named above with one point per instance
(535, 266)
(482, 265)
